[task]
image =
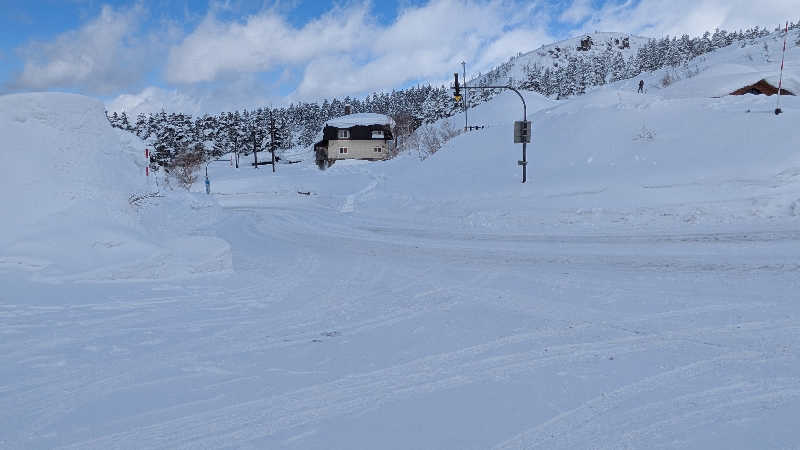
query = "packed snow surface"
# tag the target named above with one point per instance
(639, 291)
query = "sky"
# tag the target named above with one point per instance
(207, 56)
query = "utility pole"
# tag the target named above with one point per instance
(466, 96)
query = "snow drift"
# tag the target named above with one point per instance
(67, 186)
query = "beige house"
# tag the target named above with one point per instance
(354, 136)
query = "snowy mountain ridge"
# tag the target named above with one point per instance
(559, 54)
(572, 66)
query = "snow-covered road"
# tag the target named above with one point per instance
(349, 331)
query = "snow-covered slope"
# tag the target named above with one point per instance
(69, 178)
(735, 66)
(721, 71)
(675, 154)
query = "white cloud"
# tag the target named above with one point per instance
(511, 43)
(263, 42)
(675, 17)
(238, 93)
(99, 57)
(153, 99)
(577, 12)
(345, 52)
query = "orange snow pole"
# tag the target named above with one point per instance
(780, 80)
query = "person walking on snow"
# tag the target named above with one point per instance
(641, 86)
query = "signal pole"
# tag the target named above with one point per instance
(522, 130)
(466, 96)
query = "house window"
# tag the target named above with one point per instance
(377, 134)
(378, 150)
(342, 150)
(344, 134)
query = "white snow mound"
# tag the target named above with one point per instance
(68, 179)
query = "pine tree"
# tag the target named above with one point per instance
(114, 120)
(124, 124)
(140, 128)
(618, 67)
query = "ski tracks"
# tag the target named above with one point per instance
(356, 394)
(626, 417)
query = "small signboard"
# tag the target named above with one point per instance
(522, 132)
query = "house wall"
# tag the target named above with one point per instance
(357, 149)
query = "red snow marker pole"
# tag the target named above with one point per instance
(780, 80)
(147, 167)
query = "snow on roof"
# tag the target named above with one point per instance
(360, 119)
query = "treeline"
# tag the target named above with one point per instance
(300, 124)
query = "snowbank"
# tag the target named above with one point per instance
(67, 185)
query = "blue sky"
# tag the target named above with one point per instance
(207, 56)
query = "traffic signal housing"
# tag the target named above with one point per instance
(457, 87)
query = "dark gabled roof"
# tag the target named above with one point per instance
(761, 87)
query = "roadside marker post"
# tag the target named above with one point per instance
(780, 80)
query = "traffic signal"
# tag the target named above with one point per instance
(457, 95)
